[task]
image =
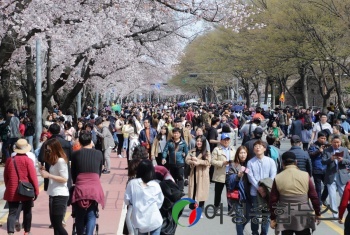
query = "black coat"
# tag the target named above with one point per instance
(296, 128)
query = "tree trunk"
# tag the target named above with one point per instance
(273, 95)
(6, 101)
(49, 65)
(266, 90)
(29, 83)
(304, 81)
(77, 88)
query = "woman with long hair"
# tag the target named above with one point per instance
(69, 131)
(57, 189)
(79, 127)
(241, 206)
(145, 187)
(276, 132)
(199, 160)
(159, 144)
(169, 122)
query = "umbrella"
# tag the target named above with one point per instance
(191, 101)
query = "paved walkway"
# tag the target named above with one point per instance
(112, 217)
(113, 185)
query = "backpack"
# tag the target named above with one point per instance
(4, 131)
(30, 130)
(274, 154)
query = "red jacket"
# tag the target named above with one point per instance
(345, 200)
(26, 171)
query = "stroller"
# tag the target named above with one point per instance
(74, 231)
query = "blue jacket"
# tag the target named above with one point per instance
(176, 155)
(233, 183)
(316, 158)
(142, 137)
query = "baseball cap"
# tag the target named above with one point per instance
(288, 157)
(295, 139)
(225, 136)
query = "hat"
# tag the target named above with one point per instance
(22, 146)
(258, 131)
(288, 157)
(295, 139)
(343, 117)
(177, 120)
(225, 136)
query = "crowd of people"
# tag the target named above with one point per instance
(169, 148)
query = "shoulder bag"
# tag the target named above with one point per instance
(25, 189)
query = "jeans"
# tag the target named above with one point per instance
(107, 158)
(27, 215)
(30, 141)
(318, 180)
(241, 217)
(332, 190)
(265, 223)
(57, 210)
(177, 171)
(83, 215)
(291, 232)
(154, 232)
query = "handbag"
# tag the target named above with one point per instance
(234, 194)
(25, 189)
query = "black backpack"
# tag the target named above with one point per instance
(30, 130)
(4, 131)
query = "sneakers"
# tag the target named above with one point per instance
(17, 226)
(218, 211)
(64, 223)
(104, 172)
(120, 156)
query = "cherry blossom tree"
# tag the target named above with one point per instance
(124, 44)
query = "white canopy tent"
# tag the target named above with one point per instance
(190, 101)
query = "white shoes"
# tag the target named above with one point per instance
(120, 156)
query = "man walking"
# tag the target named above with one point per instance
(336, 158)
(221, 159)
(293, 188)
(318, 169)
(177, 150)
(147, 136)
(303, 158)
(260, 168)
